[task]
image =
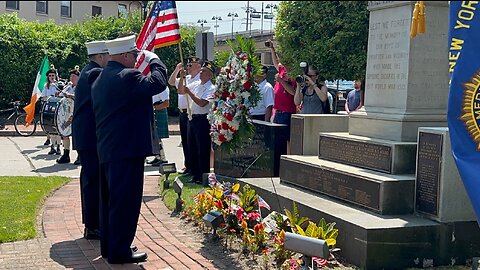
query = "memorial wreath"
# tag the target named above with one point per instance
(236, 92)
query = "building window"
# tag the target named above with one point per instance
(13, 5)
(122, 10)
(42, 7)
(66, 9)
(96, 11)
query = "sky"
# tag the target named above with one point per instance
(189, 12)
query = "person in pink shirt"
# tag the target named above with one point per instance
(284, 91)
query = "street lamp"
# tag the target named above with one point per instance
(249, 10)
(201, 22)
(216, 19)
(271, 7)
(233, 15)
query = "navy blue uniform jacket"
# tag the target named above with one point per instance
(83, 125)
(122, 103)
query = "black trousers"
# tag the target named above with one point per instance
(200, 144)
(121, 188)
(90, 188)
(183, 123)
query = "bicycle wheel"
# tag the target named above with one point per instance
(22, 128)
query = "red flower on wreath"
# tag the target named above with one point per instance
(225, 94)
(228, 116)
(247, 85)
(222, 138)
(225, 126)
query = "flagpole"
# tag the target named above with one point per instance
(189, 112)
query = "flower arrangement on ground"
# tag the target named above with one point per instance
(243, 224)
(236, 92)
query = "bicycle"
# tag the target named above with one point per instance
(21, 127)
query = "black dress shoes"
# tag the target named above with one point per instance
(133, 248)
(136, 257)
(91, 234)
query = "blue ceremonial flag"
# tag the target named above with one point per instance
(464, 99)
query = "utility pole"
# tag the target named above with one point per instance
(248, 15)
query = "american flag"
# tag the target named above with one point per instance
(195, 198)
(320, 261)
(161, 29)
(263, 203)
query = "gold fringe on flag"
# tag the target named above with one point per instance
(421, 18)
(418, 19)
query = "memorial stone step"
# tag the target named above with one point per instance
(387, 156)
(379, 192)
(373, 241)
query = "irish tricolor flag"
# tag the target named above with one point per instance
(37, 89)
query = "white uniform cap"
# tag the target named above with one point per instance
(96, 47)
(121, 45)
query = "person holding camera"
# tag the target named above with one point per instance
(284, 90)
(312, 95)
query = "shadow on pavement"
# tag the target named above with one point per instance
(45, 157)
(27, 152)
(57, 168)
(71, 255)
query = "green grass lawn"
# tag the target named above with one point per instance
(20, 200)
(189, 190)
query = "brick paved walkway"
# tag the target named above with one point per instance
(60, 244)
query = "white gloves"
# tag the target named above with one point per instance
(149, 56)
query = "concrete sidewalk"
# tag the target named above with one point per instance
(60, 244)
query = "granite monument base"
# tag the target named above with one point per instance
(439, 194)
(260, 158)
(376, 191)
(386, 156)
(372, 241)
(305, 128)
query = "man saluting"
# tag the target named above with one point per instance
(122, 103)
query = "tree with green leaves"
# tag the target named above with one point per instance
(330, 35)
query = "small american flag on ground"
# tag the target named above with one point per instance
(195, 198)
(320, 261)
(263, 203)
(161, 29)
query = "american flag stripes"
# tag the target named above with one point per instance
(263, 203)
(320, 261)
(160, 29)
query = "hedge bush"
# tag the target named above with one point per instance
(23, 44)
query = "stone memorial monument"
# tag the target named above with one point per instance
(407, 79)
(391, 210)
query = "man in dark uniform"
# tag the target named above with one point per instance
(198, 133)
(85, 140)
(122, 103)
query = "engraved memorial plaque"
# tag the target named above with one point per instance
(345, 187)
(259, 158)
(365, 155)
(429, 162)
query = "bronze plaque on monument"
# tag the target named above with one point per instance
(296, 136)
(365, 155)
(428, 172)
(345, 187)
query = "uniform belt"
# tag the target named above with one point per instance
(199, 115)
(183, 110)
